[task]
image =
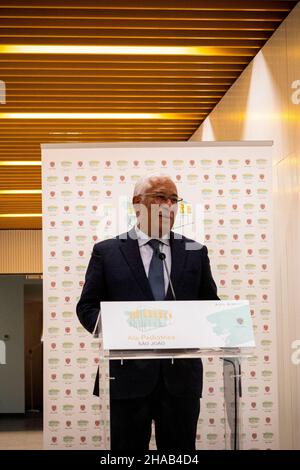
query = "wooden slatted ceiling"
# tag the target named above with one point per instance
(77, 83)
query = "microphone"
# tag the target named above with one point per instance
(162, 257)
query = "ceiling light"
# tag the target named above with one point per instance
(99, 115)
(20, 191)
(118, 50)
(20, 163)
(19, 215)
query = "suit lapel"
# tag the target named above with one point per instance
(131, 252)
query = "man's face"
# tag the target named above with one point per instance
(157, 207)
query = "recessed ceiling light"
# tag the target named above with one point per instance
(19, 215)
(20, 191)
(119, 50)
(20, 163)
(107, 116)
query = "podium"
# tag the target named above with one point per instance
(179, 330)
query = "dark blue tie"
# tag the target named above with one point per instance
(156, 272)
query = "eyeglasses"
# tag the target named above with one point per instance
(163, 198)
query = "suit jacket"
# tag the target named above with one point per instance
(116, 273)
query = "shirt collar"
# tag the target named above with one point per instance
(143, 238)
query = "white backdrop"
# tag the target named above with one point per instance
(227, 189)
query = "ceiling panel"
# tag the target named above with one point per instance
(230, 33)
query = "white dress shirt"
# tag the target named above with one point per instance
(146, 253)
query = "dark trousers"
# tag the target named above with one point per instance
(175, 421)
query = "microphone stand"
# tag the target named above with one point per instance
(162, 257)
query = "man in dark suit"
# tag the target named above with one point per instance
(130, 268)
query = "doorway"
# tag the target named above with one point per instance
(33, 350)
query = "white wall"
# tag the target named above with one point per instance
(259, 106)
(12, 324)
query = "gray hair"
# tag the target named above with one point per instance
(144, 182)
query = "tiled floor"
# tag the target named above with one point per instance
(19, 432)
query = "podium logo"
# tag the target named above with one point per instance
(2, 352)
(2, 92)
(147, 319)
